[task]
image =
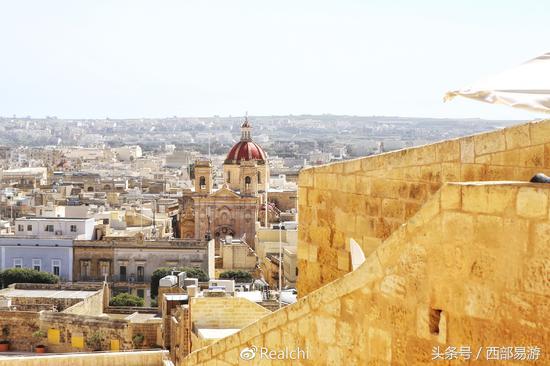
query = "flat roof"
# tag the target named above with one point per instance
(54, 294)
(254, 296)
(176, 297)
(216, 333)
(55, 218)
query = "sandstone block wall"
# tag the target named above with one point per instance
(470, 269)
(224, 312)
(92, 305)
(367, 199)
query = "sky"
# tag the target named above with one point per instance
(136, 59)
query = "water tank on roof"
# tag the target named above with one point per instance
(227, 285)
(168, 281)
(190, 282)
(181, 277)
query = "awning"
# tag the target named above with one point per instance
(526, 86)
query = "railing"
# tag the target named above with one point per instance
(131, 278)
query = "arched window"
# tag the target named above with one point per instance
(259, 180)
(202, 182)
(247, 181)
(229, 176)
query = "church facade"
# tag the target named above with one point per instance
(232, 209)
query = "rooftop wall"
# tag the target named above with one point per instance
(224, 312)
(470, 269)
(367, 199)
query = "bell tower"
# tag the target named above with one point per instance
(249, 178)
(203, 177)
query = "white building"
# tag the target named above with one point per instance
(55, 227)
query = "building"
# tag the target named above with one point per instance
(55, 227)
(232, 209)
(49, 255)
(407, 254)
(25, 178)
(44, 244)
(68, 318)
(237, 254)
(128, 263)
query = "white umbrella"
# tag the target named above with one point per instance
(526, 86)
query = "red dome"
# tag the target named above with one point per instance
(245, 150)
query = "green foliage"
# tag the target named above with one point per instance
(165, 271)
(26, 275)
(238, 276)
(39, 334)
(138, 339)
(126, 299)
(94, 341)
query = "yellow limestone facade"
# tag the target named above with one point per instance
(463, 264)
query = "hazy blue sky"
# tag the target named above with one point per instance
(200, 58)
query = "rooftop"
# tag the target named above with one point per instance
(53, 294)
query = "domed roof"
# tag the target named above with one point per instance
(245, 150)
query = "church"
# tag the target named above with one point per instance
(233, 209)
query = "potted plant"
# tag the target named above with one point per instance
(138, 340)
(4, 342)
(38, 335)
(94, 341)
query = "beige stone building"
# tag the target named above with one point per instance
(231, 210)
(407, 256)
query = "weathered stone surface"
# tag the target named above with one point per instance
(466, 264)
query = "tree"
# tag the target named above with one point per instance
(238, 276)
(126, 299)
(26, 275)
(165, 271)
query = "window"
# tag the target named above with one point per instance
(140, 273)
(29, 227)
(17, 263)
(247, 181)
(56, 266)
(229, 177)
(122, 273)
(141, 293)
(73, 228)
(36, 264)
(20, 227)
(84, 269)
(104, 268)
(259, 180)
(434, 320)
(202, 182)
(49, 228)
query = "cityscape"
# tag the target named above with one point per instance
(291, 183)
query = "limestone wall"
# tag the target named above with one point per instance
(21, 325)
(92, 305)
(224, 312)
(65, 332)
(367, 199)
(470, 269)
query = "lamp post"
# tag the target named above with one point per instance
(280, 261)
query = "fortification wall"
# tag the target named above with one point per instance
(224, 312)
(367, 199)
(470, 269)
